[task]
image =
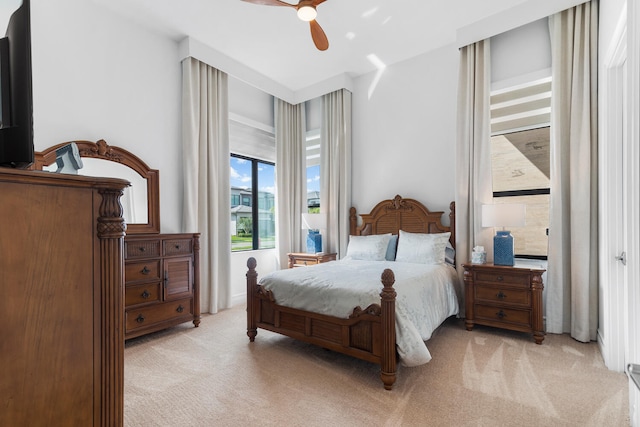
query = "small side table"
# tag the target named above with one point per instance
(504, 297)
(304, 259)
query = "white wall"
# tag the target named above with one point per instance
(404, 133)
(98, 76)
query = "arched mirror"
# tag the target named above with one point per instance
(140, 202)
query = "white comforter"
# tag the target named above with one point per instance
(426, 296)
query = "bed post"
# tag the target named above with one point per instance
(388, 299)
(252, 282)
(353, 221)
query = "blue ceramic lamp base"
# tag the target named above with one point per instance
(503, 248)
(314, 242)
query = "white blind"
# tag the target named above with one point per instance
(251, 140)
(521, 107)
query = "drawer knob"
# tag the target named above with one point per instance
(145, 270)
(501, 314)
(140, 318)
(141, 248)
(180, 308)
(499, 278)
(145, 294)
(501, 295)
(177, 246)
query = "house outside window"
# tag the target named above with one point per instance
(520, 160)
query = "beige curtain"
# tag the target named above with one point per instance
(572, 288)
(206, 196)
(473, 153)
(335, 174)
(291, 184)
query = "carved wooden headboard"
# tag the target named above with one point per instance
(393, 215)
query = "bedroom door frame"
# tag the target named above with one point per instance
(613, 202)
(633, 192)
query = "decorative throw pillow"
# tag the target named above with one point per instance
(391, 249)
(422, 248)
(368, 248)
(450, 254)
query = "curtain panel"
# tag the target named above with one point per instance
(335, 165)
(206, 195)
(572, 288)
(473, 154)
(291, 183)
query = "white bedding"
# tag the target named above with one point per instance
(426, 296)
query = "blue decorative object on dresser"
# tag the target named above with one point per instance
(314, 242)
(503, 215)
(503, 248)
(314, 222)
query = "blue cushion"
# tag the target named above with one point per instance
(391, 249)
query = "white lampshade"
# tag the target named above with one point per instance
(314, 221)
(503, 215)
(307, 13)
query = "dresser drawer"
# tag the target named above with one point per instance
(503, 315)
(500, 277)
(177, 247)
(142, 271)
(141, 248)
(504, 295)
(142, 294)
(146, 316)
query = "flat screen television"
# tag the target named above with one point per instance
(16, 95)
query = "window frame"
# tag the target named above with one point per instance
(526, 192)
(255, 218)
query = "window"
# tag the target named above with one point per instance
(252, 204)
(313, 171)
(520, 157)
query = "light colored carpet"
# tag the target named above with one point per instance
(213, 376)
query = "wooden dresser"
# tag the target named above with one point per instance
(162, 282)
(504, 297)
(61, 298)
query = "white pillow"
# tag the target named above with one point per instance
(421, 248)
(369, 248)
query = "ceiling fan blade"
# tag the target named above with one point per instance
(318, 36)
(317, 2)
(271, 2)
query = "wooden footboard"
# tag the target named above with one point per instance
(368, 334)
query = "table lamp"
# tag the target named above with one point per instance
(313, 223)
(503, 215)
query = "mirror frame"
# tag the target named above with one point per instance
(102, 150)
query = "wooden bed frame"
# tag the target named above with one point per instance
(368, 334)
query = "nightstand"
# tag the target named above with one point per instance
(504, 297)
(303, 259)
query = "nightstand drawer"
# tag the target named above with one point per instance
(304, 259)
(499, 277)
(503, 315)
(503, 295)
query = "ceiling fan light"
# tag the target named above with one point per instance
(307, 13)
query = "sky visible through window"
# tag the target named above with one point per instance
(241, 176)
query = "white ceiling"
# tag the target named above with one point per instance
(275, 43)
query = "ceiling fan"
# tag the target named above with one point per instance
(307, 12)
